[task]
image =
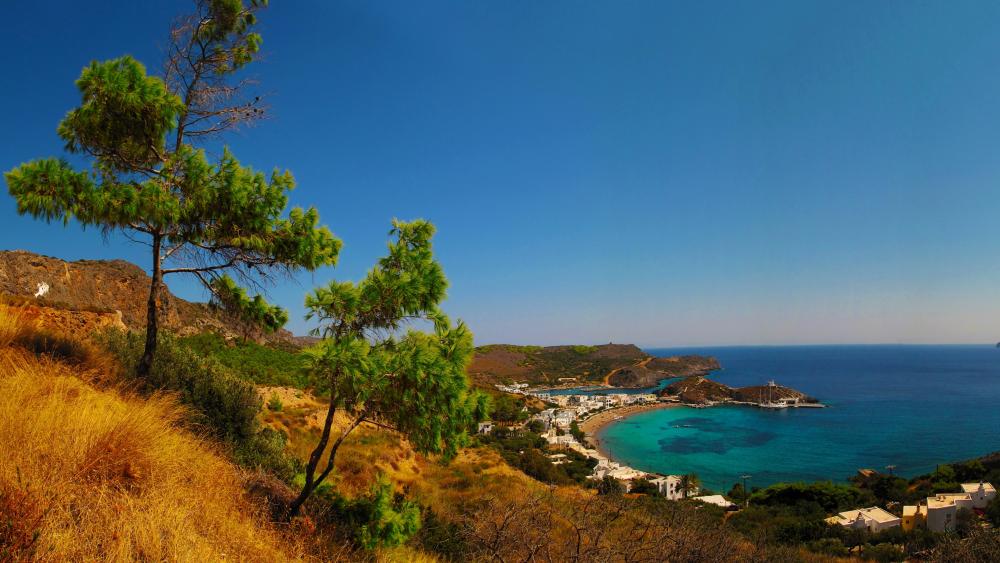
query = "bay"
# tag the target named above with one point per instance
(908, 406)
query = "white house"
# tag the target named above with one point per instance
(608, 468)
(557, 440)
(670, 486)
(982, 493)
(485, 427)
(941, 512)
(873, 519)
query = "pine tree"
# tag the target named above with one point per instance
(151, 182)
(413, 382)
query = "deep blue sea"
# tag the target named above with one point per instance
(908, 406)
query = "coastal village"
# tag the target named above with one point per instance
(557, 422)
(937, 513)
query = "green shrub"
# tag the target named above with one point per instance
(536, 426)
(381, 519)
(993, 512)
(883, 552)
(829, 546)
(827, 495)
(266, 450)
(610, 486)
(275, 403)
(441, 537)
(223, 402)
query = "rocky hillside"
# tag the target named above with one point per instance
(100, 286)
(621, 365)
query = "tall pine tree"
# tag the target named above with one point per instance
(150, 180)
(412, 382)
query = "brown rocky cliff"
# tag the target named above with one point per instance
(112, 285)
(102, 285)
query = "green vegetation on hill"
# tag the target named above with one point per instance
(527, 451)
(261, 364)
(220, 400)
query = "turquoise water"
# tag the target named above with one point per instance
(909, 406)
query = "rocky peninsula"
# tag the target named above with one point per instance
(699, 390)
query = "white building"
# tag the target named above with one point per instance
(608, 468)
(982, 493)
(563, 418)
(554, 439)
(671, 486)
(940, 511)
(873, 519)
(717, 500)
(561, 400)
(485, 427)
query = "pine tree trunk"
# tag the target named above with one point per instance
(314, 459)
(152, 308)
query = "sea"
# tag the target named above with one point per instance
(907, 406)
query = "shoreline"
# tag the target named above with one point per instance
(591, 426)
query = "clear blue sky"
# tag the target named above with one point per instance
(656, 172)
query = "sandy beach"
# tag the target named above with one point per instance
(593, 424)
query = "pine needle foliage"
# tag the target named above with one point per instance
(150, 181)
(412, 382)
(251, 316)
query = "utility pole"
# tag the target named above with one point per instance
(746, 493)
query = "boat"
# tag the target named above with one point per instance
(771, 403)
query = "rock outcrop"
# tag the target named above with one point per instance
(103, 286)
(73, 322)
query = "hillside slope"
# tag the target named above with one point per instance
(89, 474)
(619, 365)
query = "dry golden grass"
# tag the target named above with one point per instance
(11, 325)
(96, 475)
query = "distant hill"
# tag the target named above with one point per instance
(104, 286)
(621, 365)
(650, 371)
